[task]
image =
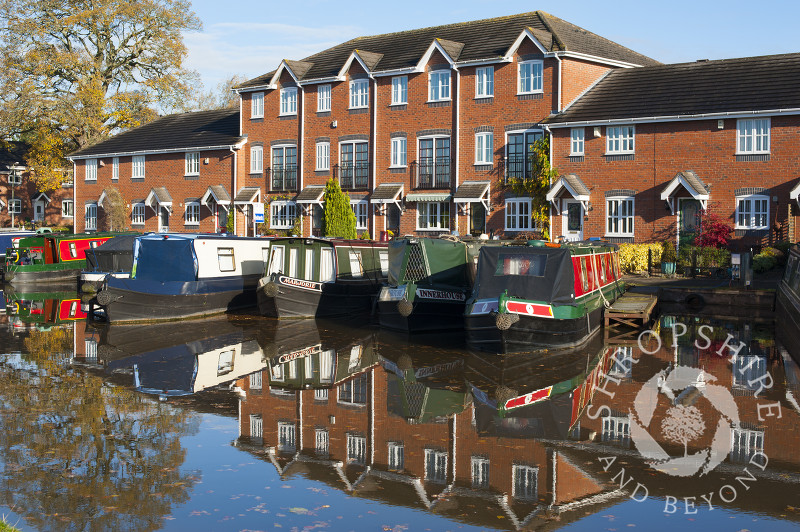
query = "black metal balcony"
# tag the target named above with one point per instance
(282, 178)
(352, 176)
(432, 173)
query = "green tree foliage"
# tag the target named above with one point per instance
(338, 219)
(537, 183)
(229, 223)
(223, 97)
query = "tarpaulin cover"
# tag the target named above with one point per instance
(170, 259)
(397, 250)
(115, 255)
(429, 261)
(547, 274)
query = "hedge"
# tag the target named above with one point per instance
(633, 257)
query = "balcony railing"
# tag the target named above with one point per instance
(352, 176)
(517, 167)
(432, 173)
(282, 178)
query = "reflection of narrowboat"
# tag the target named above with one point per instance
(60, 305)
(115, 257)
(51, 257)
(430, 279)
(315, 277)
(184, 275)
(788, 305)
(533, 296)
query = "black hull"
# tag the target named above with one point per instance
(336, 300)
(787, 312)
(426, 317)
(530, 334)
(36, 277)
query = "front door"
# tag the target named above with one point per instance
(163, 219)
(38, 211)
(477, 219)
(572, 219)
(688, 220)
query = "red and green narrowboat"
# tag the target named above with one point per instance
(541, 295)
(53, 307)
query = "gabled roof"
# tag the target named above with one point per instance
(11, 153)
(202, 129)
(488, 39)
(742, 85)
(218, 194)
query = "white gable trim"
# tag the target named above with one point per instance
(346, 68)
(554, 193)
(518, 42)
(666, 195)
(273, 83)
(429, 53)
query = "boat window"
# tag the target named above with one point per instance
(584, 276)
(73, 249)
(265, 256)
(276, 372)
(226, 260)
(356, 266)
(384, 256)
(326, 273)
(790, 268)
(355, 359)
(294, 253)
(326, 365)
(93, 244)
(309, 368)
(309, 266)
(73, 309)
(521, 264)
(602, 259)
(276, 260)
(225, 362)
(292, 369)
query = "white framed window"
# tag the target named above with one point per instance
(137, 167)
(67, 208)
(752, 212)
(15, 177)
(518, 214)
(256, 159)
(484, 148)
(435, 466)
(619, 216)
(484, 82)
(439, 85)
(91, 217)
(620, 139)
(525, 483)
(321, 441)
(256, 380)
(752, 135)
(282, 214)
(745, 444)
(576, 141)
(192, 166)
(399, 90)
(137, 214)
(15, 206)
(115, 168)
(396, 460)
(356, 449)
(289, 101)
(91, 170)
(323, 98)
(480, 472)
(617, 430)
(192, 213)
(257, 105)
(433, 215)
(530, 77)
(286, 437)
(256, 426)
(359, 93)
(226, 260)
(361, 210)
(353, 391)
(399, 152)
(323, 156)
(321, 394)
(90, 347)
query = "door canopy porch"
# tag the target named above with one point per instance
(691, 184)
(572, 185)
(159, 197)
(472, 192)
(216, 193)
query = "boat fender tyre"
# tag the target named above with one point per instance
(404, 307)
(505, 321)
(694, 301)
(504, 393)
(270, 289)
(104, 297)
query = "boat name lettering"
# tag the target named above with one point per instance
(529, 398)
(300, 283)
(438, 368)
(426, 293)
(306, 351)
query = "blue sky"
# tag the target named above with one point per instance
(250, 37)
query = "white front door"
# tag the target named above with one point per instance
(38, 211)
(572, 219)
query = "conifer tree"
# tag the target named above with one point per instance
(338, 217)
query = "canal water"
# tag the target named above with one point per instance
(244, 423)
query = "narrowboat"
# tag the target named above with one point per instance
(51, 257)
(323, 278)
(541, 295)
(57, 305)
(788, 305)
(430, 280)
(115, 257)
(178, 276)
(9, 238)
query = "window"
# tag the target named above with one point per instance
(399, 151)
(115, 168)
(256, 426)
(309, 268)
(480, 472)
(434, 163)
(400, 90)
(576, 144)
(356, 264)
(91, 169)
(354, 391)
(617, 430)
(619, 139)
(321, 394)
(519, 152)
(433, 215)
(439, 85)
(137, 166)
(518, 214)
(226, 260)
(520, 264)
(286, 437)
(356, 449)
(749, 371)
(484, 82)
(354, 165)
(752, 212)
(359, 93)
(360, 209)
(622, 362)
(619, 216)
(225, 362)
(137, 214)
(284, 168)
(257, 105)
(192, 163)
(745, 444)
(396, 458)
(326, 267)
(67, 208)
(15, 206)
(435, 466)
(15, 177)
(193, 213)
(282, 214)
(384, 258)
(256, 380)
(91, 217)
(323, 156)
(752, 135)
(484, 147)
(525, 487)
(256, 159)
(289, 101)
(321, 442)
(323, 98)
(530, 77)
(90, 346)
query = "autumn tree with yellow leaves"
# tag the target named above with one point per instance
(73, 72)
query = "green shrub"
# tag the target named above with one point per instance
(668, 252)
(707, 257)
(763, 263)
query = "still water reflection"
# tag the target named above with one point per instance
(241, 423)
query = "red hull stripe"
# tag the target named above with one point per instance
(529, 398)
(530, 309)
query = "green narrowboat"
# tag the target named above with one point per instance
(59, 305)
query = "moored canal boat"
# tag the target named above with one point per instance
(541, 295)
(54, 304)
(184, 276)
(114, 257)
(788, 304)
(323, 278)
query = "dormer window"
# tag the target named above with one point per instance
(289, 101)
(530, 77)
(439, 85)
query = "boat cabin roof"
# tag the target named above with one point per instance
(197, 236)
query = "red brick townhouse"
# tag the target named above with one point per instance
(177, 173)
(422, 127)
(646, 151)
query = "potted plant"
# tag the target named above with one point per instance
(668, 258)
